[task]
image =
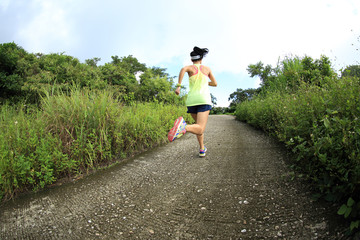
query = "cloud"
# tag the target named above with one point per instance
(47, 29)
(240, 33)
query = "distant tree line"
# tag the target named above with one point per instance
(26, 76)
(287, 77)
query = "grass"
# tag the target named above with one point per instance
(321, 126)
(73, 134)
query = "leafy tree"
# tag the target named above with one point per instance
(315, 72)
(129, 64)
(218, 110)
(153, 86)
(11, 77)
(241, 95)
(351, 71)
(213, 99)
(118, 76)
(93, 61)
(265, 73)
(291, 72)
(10, 53)
(160, 71)
(25, 76)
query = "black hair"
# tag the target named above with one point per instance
(199, 52)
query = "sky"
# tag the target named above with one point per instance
(162, 33)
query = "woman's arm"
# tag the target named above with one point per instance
(181, 76)
(212, 82)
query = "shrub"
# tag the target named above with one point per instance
(320, 123)
(30, 157)
(74, 133)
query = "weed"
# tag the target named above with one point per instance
(319, 121)
(73, 133)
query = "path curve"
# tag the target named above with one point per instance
(241, 190)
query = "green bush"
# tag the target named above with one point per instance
(73, 133)
(320, 123)
(30, 157)
(24, 77)
(83, 115)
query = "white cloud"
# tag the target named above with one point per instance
(48, 29)
(163, 33)
(239, 33)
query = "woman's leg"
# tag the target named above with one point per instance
(199, 137)
(199, 127)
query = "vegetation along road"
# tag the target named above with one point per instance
(242, 189)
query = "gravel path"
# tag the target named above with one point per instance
(241, 190)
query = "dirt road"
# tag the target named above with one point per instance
(241, 190)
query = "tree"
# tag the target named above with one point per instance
(153, 86)
(213, 99)
(314, 72)
(160, 71)
(11, 79)
(118, 76)
(265, 73)
(351, 71)
(241, 95)
(25, 76)
(290, 73)
(129, 63)
(93, 61)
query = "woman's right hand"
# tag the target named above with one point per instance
(177, 91)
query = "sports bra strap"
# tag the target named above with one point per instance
(201, 69)
(197, 70)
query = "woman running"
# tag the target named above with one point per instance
(199, 99)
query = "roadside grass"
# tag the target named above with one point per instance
(73, 134)
(321, 126)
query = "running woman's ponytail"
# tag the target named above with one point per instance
(198, 53)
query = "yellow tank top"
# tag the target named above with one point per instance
(199, 92)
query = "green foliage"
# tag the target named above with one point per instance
(223, 110)
(351, 208)
(351, 71)
(74, 132)
(30, 157)
(241, 95)
(291, 73)
(130, 64)
(118, 77)
(316, 115)
(92, 62)
(60, 117)
(264, 73)
(153, 87)
(213, 99)
(11, 79)
(26, 77)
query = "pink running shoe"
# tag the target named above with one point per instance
(178, 130)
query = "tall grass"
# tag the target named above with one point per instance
(30, 157)
(321, 125)
(74, 133)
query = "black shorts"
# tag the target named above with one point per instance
(199, 108)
